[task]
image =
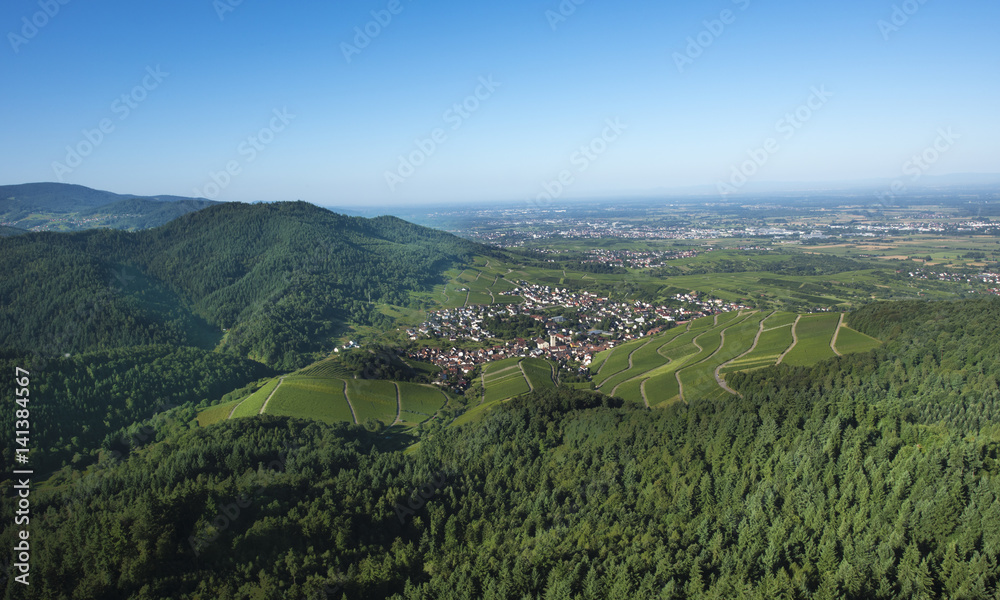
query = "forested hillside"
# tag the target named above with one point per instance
(83, 400)
(282, 278)
(873, 475)
(66, 207)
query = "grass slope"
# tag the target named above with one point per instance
(814, 335)
(311, 398)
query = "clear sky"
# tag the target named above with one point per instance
(480, 101)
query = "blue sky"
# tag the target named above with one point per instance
(259, 100)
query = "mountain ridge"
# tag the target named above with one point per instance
(71, 207)
(277, 282)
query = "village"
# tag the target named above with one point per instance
(597, 324)
(988, 278)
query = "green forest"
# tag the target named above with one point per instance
(277, 283)
(872, 475)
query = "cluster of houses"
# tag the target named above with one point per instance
(634, 259)
(576, 342)
(987, 278)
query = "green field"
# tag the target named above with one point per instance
(311, 398)
(850, 341)
(330, 367)
(219, 412)
(505, 386)
(252, 405)
(617, 361)
(770, 345)
(539, 373)
(780, 318)
(815, 332)
(500, 365)
(421, 399)
(322, 398)
(682, 363)
(373, 399)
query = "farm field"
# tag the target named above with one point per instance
(850, 341)
(373, 399)
(506, 385)
(690, 361)
(310, 398)
(420, 399)
(217, 413)
(252, 404)
(508, 378)
(322, 398)
(538, 373)
(815, 333)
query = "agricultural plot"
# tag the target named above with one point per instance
(771, 344)
(311, 398)
(479, 298)
(252, 405)
(691, 364)
(701, 323)
(500, 365)
(814, 333)
(597, 363)
(850, 341)
(539, 373)
(217, 413)
(631, 391)
(419, 402)
(372, 399)
(330, 367)
(699, 381)
(662, 390)
(778, 319)
(618, 360)
(504, 388)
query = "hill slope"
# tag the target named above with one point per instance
(283, 278)
(64, 207)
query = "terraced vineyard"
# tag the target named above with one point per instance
(814, 333)
(690, 361)
(508, 378)
(335, 399)
(311, 398)
(373, 399)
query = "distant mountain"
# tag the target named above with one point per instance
(65, 207)
(281, 280)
